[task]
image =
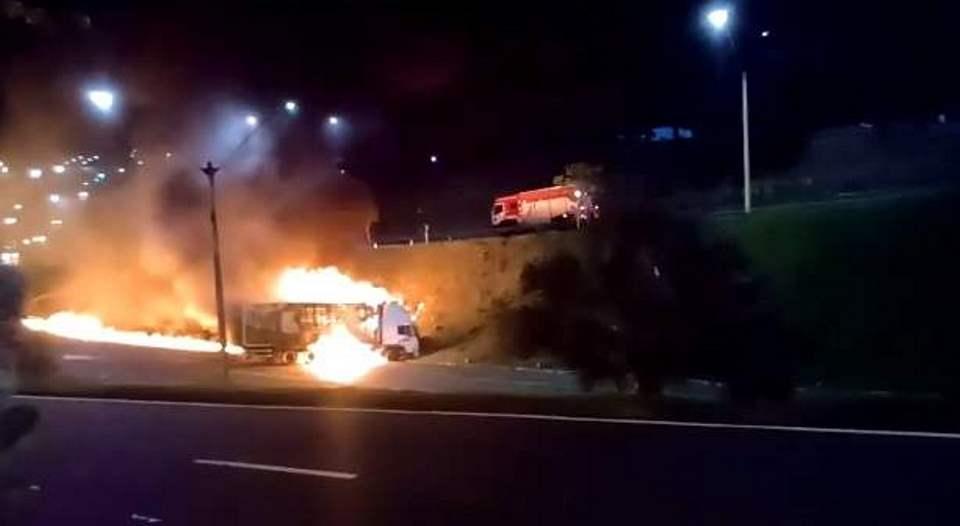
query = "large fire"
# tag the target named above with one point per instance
(336, 356)
(340, 357)
(328, 285)
(85, 327)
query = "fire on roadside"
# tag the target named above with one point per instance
(337, 356)
(85, 327)
(328, 285)
(340, 357)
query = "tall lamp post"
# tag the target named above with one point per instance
(211, 171)
(719, 20)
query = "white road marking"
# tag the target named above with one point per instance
(510, 416)
(78, 357)
(145, 518)
(281, 469)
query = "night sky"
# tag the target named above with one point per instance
(511, 91)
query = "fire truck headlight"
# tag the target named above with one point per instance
(578, 194)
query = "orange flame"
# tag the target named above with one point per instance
(85, 327)
(336, 356)
(328, 285)
(339, 357)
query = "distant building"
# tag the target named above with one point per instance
(667, 134)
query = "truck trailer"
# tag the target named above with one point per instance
(282, 332)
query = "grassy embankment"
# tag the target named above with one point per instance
(870, 285)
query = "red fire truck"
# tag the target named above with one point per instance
(552, 205)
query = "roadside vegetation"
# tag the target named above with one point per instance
(654, 301)
(844, 294)
(864, 283)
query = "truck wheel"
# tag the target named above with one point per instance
(395, 353)
(288, 358)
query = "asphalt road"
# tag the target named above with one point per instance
(105, 365)
(95, 462)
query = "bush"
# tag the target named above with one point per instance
(655, 302)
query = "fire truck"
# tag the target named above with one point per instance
(558, 205)
(282, 332)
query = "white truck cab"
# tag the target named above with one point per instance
(397, 336)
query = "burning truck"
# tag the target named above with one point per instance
(285, 333)
(338, 329)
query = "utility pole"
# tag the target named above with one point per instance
(210, 170)
(746, 146)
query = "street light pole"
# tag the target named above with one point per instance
(210, 170)
(746, 145)
(719, 18)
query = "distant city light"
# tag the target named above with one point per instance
(35, 173)
(101, 99)
(765, 34)
(291, 106)
(719, 18)
(102, 176)
(9, 258)
(4, 169)
(10, 220)
(58, 169)
(54, 198)
(83, 196)
(333, 120)
(168, 155)
(39, 239)
(252, 121)
(56, 222)
(25, 241)
(17, 206)
(121, 170)
(433, 158)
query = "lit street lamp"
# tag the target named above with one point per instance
(333, 120)
(101, 99)
(252, 120)
(291, 106)
(434, 159)
(719, 20)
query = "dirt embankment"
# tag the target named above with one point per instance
(461, 283)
